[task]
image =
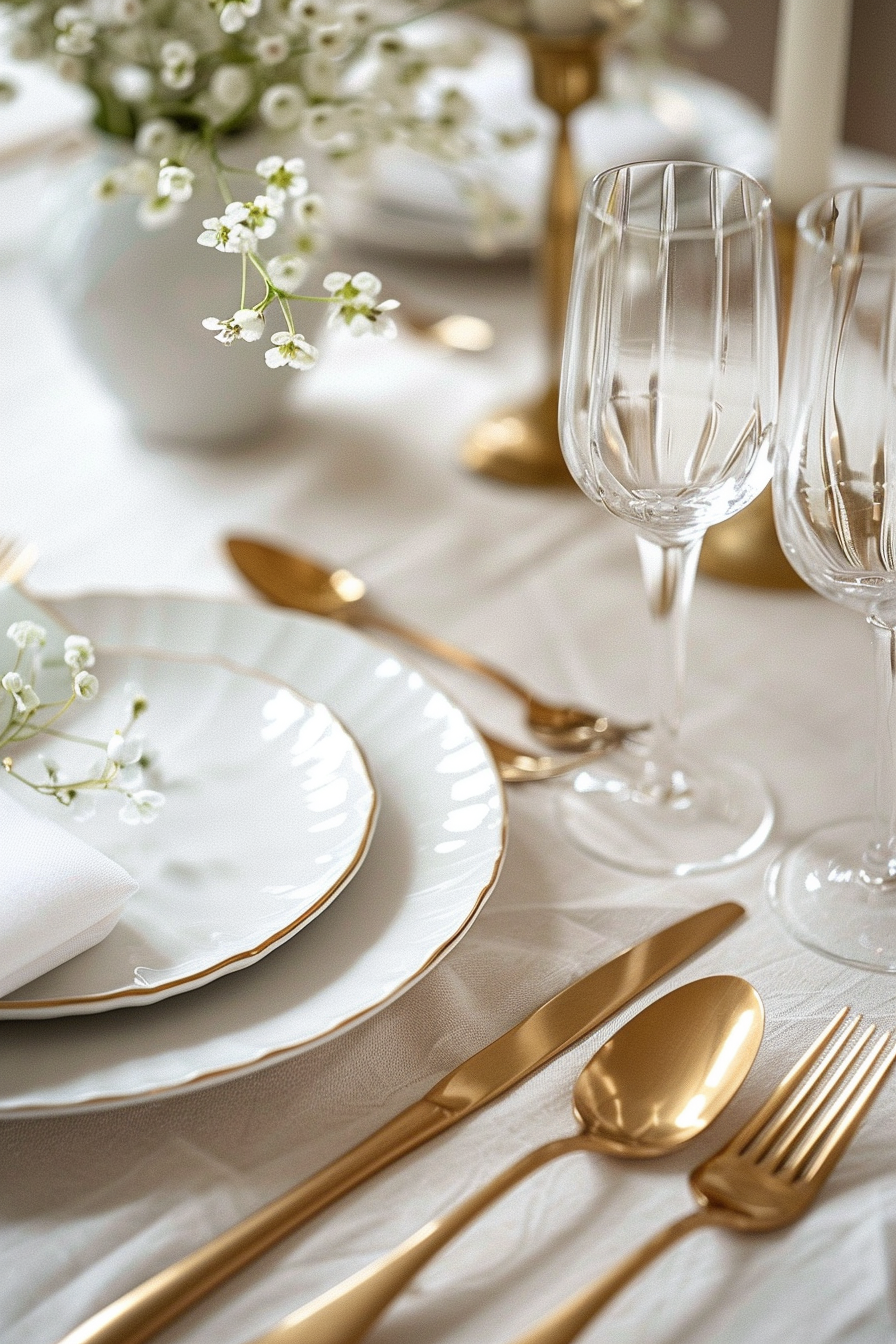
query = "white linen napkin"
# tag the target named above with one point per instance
(58, 895)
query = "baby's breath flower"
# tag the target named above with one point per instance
(27, 699)
(281, 106)
(246, 325)
(229, 233)
(283, 179)
(288, 271)
(272, 49)
(157, 211)
(332, 39)
(178, 64)
(231, 87)
(79, 652)
(355, 304)
(132, 83)
(234, 14)
(309, 211)
(12, 682)
(157, 138)
(291, 349)
(76, 30)
(27, 634)
(85, 685)
(175, 181)
(143, 805)
(124, 751)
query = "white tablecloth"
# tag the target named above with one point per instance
(548, 585)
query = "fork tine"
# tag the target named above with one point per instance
(827, 1123)
(787, 1086)
(783, 1137)
(830, 1152)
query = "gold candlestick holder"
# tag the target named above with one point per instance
(745, 549)
(522, 445)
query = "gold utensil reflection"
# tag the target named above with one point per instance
(653, 1086)
(770, 1172)
(293, 580)
(15, 560)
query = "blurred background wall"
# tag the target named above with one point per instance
(746, 61)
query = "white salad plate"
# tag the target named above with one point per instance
(269, 810)
(434, 858)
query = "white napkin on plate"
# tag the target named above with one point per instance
(58, 895)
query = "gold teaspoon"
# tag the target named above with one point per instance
(653, 1086)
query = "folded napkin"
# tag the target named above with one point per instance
(58, 895)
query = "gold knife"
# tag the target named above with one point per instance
(552, 1028)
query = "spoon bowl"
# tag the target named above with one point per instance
(671, 1070)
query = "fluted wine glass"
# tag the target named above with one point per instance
(835, 509)
(668, 402)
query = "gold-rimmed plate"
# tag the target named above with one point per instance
(269, 812)
(435, 856)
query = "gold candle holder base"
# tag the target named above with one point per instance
(745, 549)
(522, 445)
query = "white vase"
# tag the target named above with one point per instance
(134, 300)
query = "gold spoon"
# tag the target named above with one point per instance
(293, 580)
(653, 1086)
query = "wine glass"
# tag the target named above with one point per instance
(835, 509)
(668, 402)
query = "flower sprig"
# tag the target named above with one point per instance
(24, 716)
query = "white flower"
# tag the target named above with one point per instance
(245, 325)
(130, 777)
(158, 138)
(25, 634)
(320, 74)
(124, 751)
(231, 87)
(12, 682)
(157, 211)
(288, 271)
(359, 19)
(309, 211)
(83, 805)
(273, 49)
(178, 64)
(281, 106)
(322, 123)
(78, 653)
(310, 12)
(69, 68)
(26, 699)
(228, 233)
(262, 215)
(76, 30)
(132, 83)
(355, 304)
(85, 685)
(283, 178)
(138, 177)
(290, 349)
(332, 40)
(235, 13)
(175, 181)
(142, 806)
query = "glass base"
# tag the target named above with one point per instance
(717, 814)
(822, 893)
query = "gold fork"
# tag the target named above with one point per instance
(770, 1172)
(15, 560)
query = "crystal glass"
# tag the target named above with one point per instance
(668, 402)
(835, 509)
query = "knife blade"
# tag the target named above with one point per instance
(532, 1043)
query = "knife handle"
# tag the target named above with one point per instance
(148, 1308)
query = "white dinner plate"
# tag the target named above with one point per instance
(435, 856)
(269, 811)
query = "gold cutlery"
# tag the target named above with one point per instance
(292, 580)
(770, 1172)
(655, 1085)
(550, 1029)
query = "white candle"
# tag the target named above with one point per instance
(810, 89)
(561, 16)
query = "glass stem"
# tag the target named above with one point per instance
(668, 573)
(880, 857)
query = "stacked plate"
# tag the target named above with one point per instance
(301, 762)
